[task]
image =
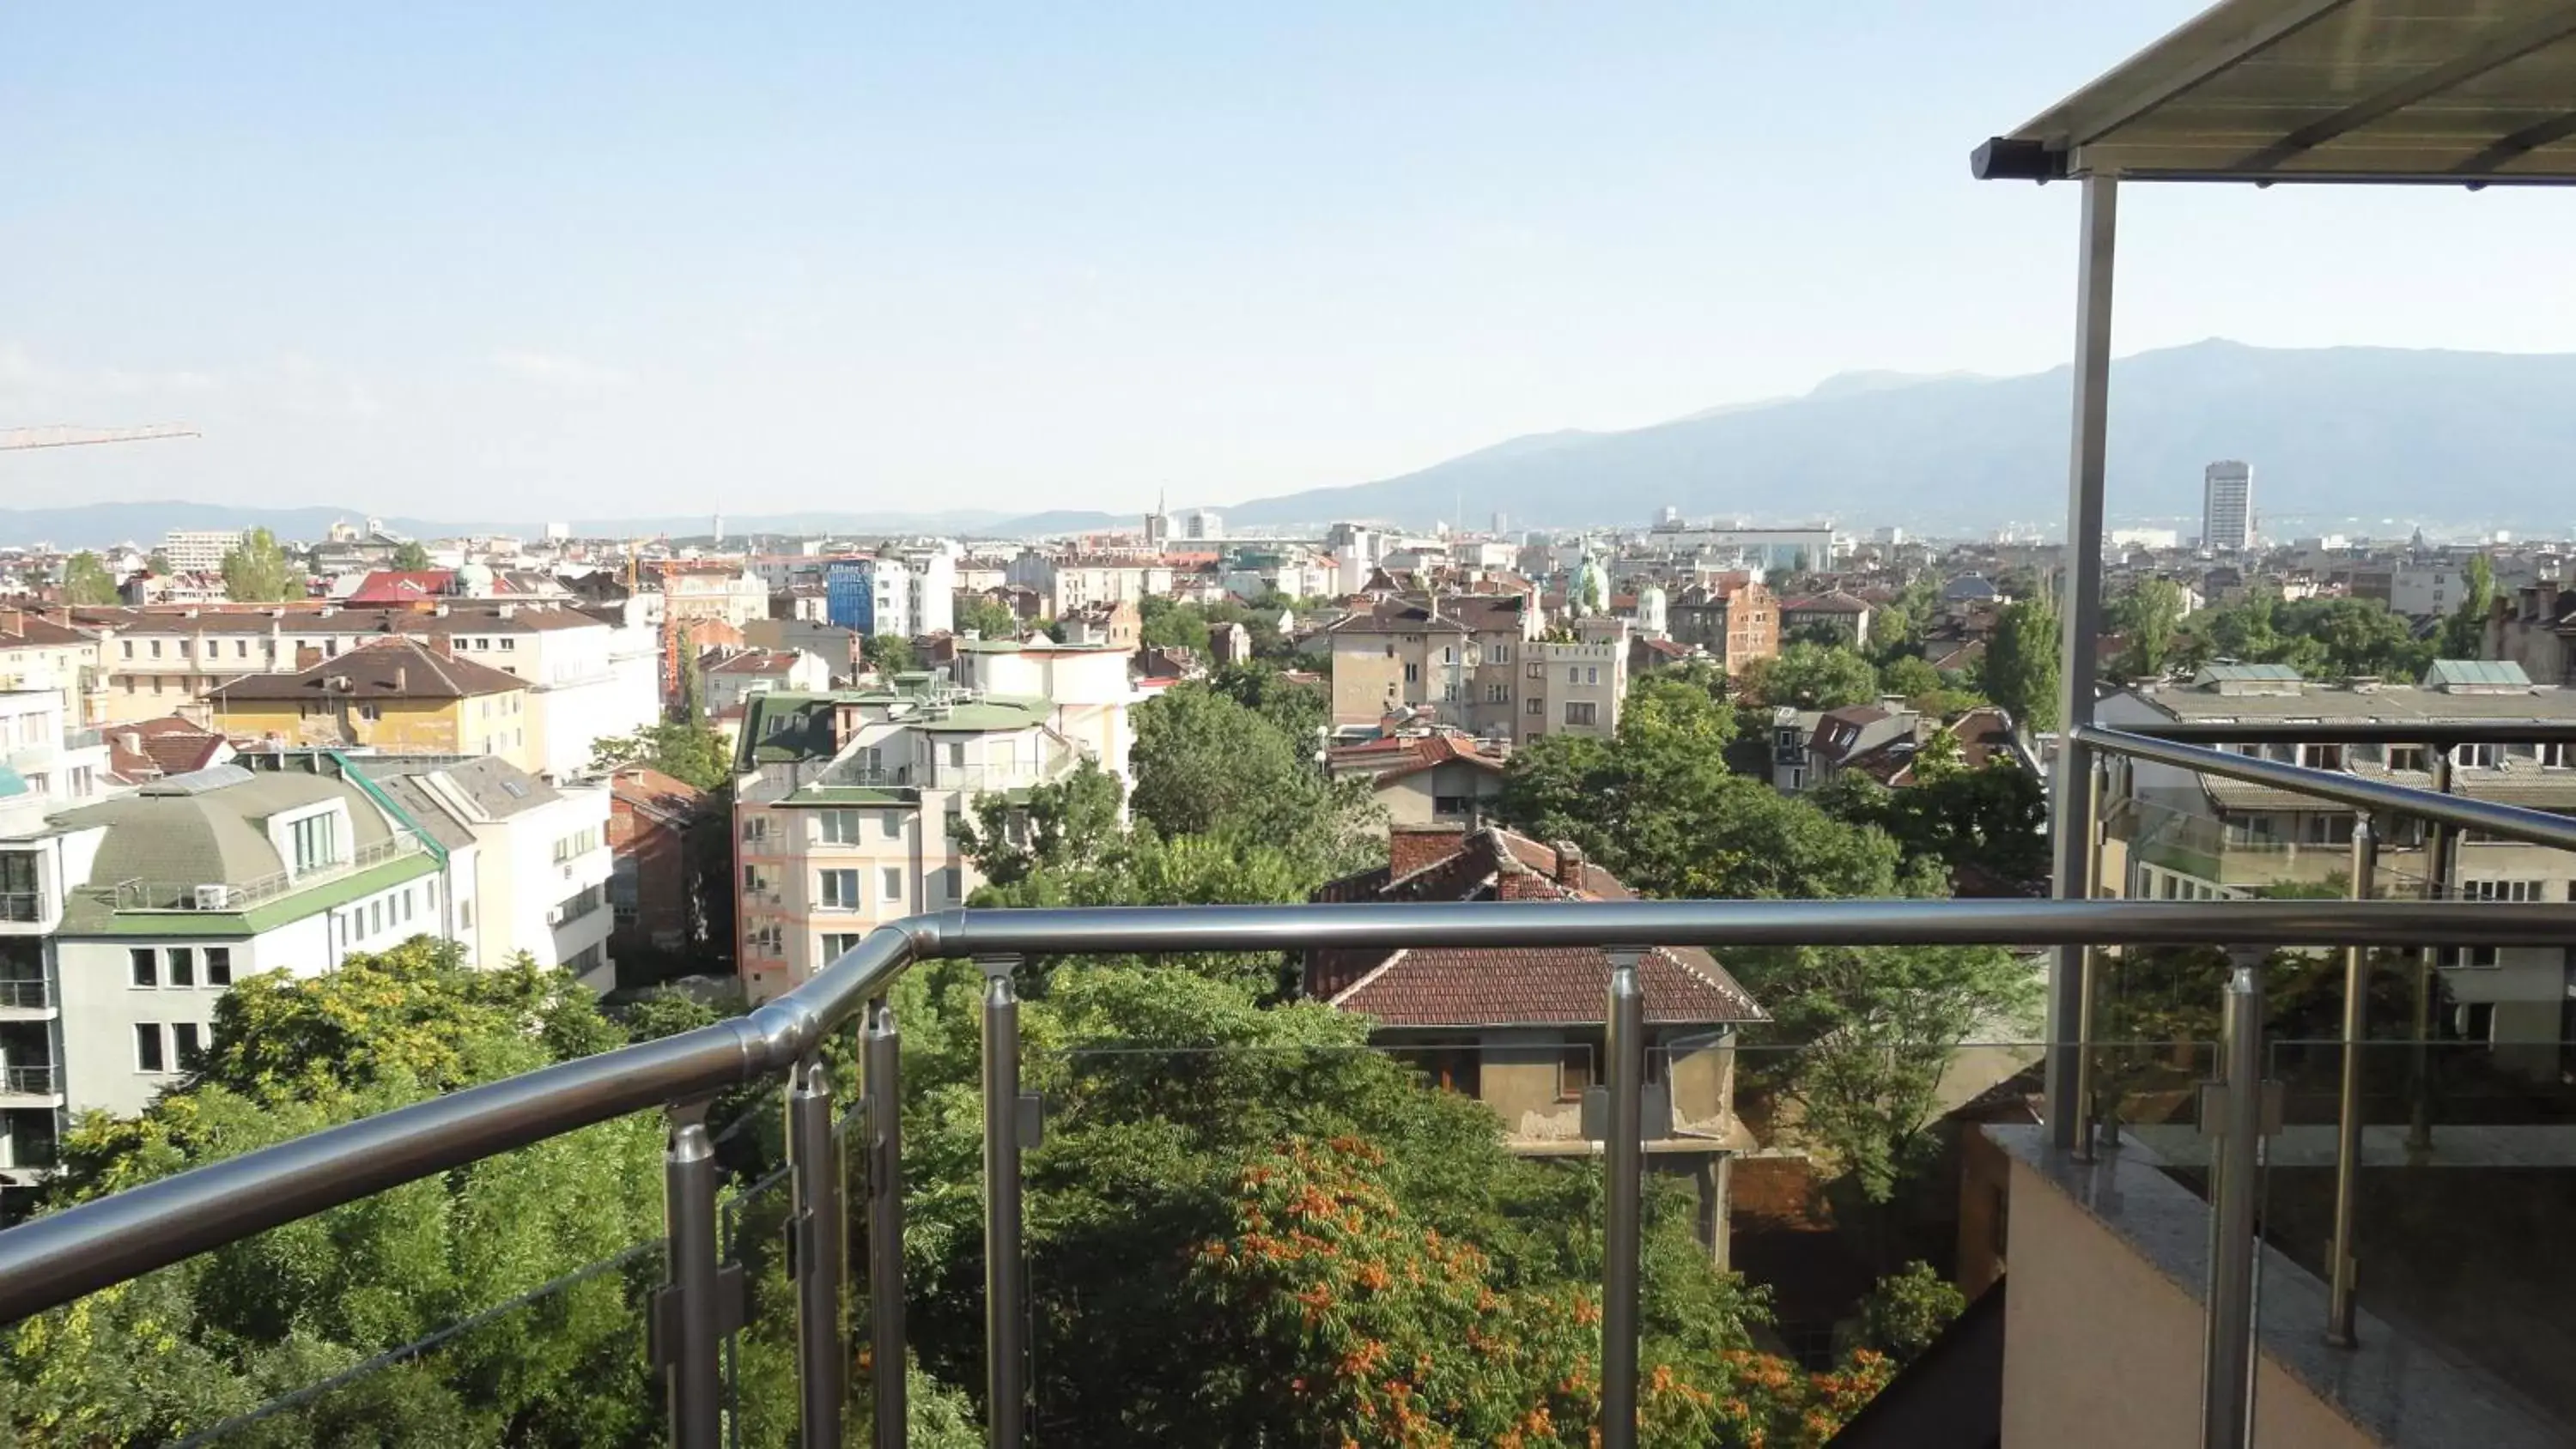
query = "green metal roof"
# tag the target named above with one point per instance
(85, 914)
(2250, 673)
(2486, 673)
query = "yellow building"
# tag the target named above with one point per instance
(398, 695)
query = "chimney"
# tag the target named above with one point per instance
(131, 742)
(402, 679)
(1410, 848)
(1569, 865)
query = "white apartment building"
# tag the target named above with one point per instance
(527, 862)
(1074, 582)
(1089, 698)
(2227, 507)
(43, 755)
(199, 550)
(1575, 688)
(929, 586)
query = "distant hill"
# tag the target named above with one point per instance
(103, 525)
(2334, 433)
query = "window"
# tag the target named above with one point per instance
(508, 642)
(837, 944)
(156, 648)
(840, 827)
(1448, 654)
(1499, 654)
(580, 843)
(129, 648)
(2557, 755)
(1537, 705)
(316, 841)
(1573, 675)
(752, 884)
(2501, 890)
(2406, 757)
(1498, 694)
(1448, 804)
(241, 648)
(839, 890)
(371, 712)
(893, 825)
(1537, 670)
(1581, 712)
(1592, 674)
(147, 966)
(1573, 1071)
(219, 965)
(2473, 956)
(183, 966)
(2474, 757)
(952, 885)
(1449, 692)
(1413, 674)
(191, 1052)
(376, 916)
(147, 1048)
(755, 827)
(891, 878)
(2321, 757)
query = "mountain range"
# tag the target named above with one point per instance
(2340, 438)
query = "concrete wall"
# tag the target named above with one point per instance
(2102, 1349)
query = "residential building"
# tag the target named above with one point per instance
(1520, 1029)
(730, 674)
(2536, 628)
(55, 760)
(837, 647)
(199, 550)
(131, 916)
(851, 809)
(1832, 613)
(657, 828)
(397, 695)
(712, 589)
(1076, 581)
(870, 596)
(1795, 550)
(142, 751)
(41, 650)
(1425, 777)
(2181, 836)
(1115, 625)
(2430, 590)
(2227, 507)
(930, 586)
(1464, 655)
(1737, 621)
(1089, 698)
(1577, 687)
(528, 863)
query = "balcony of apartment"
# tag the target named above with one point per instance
(28, 998)
(25, 1085)
(140, 895)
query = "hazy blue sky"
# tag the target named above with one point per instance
(553, 260)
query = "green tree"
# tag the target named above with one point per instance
(159, 563)
(889, 653)
(2464, 633)
(988, 619)
(1067, 825)
(410, 556)
(175, 1352)
(1911, 677)
(258, 571)
(1811, 676)
(693, 753)
(1872, 1031)
(1893, 629)
(1205, 764)
(2147, 614)
(1297, 709)
(2021, 664)
(1904, 1314)
(87, 581)
(1167, 623)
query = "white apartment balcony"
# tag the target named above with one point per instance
(31, 1086)
(28, 999)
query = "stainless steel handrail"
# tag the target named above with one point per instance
(2510, 822)
(53, 1259)
(2358, 732)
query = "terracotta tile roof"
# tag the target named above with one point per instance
(402, 586)
(1499, 986)
(1834, 602)
(652, 791)
(381, 669)
(1398, 756)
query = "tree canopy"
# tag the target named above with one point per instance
(257, 571)
(2021, 672)
(694, 753)
(987, 619)
(1807, 675)
(410, 555)
(86, 580)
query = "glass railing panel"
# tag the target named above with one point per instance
(565, 1363)
(2466, 1182)
(761, 1406)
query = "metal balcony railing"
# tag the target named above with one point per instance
(31, 1081)
(22, 905)
(26, 995)
(156, 895)
(53, 1259)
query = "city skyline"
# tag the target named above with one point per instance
(543, 265)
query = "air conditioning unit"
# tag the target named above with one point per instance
(214, 897)
(554, 915)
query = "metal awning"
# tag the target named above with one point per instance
(2466, 92)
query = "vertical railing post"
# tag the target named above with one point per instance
(2439, 842)
(700, 1302)
(2356, 1027)
(1624, 1176)
(815, 1254)
(1005, 1336)
(2088, 1004)
(2071, 825)
(881, 1129)
(2227, 1365)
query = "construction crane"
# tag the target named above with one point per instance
(20, 439)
